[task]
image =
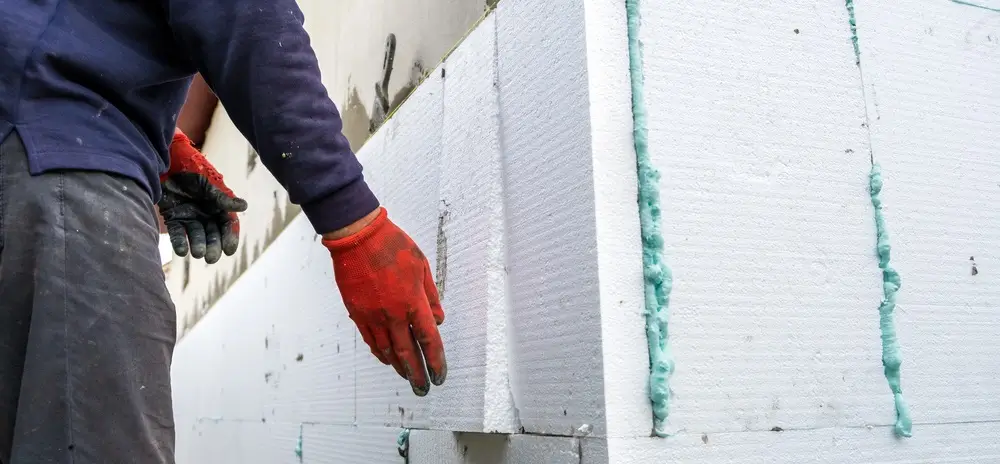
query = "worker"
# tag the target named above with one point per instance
(89, 94)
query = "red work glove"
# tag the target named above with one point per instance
(389, 292)
(197, 206)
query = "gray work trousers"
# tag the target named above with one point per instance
(87, 328)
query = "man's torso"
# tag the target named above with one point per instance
(91, 84)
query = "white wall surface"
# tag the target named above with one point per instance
(763, 127)
(512, 168)
(932, 85)
(514, 243)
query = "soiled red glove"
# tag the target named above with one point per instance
(389, 292)
(197, 206)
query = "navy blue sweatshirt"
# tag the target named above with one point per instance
(97, 85)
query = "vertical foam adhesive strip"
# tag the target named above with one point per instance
(656, 273)
(298, 445)
(854, 32)
(891, 357)
(403, 442)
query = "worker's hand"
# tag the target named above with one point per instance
(389, 292)
(197, 206)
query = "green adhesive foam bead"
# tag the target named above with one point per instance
(656, 273)
(891, 357)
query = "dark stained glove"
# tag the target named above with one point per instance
(387, 286)
(197, 206)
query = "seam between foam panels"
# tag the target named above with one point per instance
(891, 356)
(656, 274)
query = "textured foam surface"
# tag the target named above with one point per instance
(514, 163)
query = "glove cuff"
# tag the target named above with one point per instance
(185, 158)
(180, 148)
(376, 226)
(180, 137)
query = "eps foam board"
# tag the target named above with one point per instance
(557, 380)
(756, 125)
(929, 73)
(441, 447)
(931, 444)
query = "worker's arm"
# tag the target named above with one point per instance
(256, 56)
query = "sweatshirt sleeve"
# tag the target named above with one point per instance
(256, 56)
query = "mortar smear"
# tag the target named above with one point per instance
(891, 357)
(656, 273)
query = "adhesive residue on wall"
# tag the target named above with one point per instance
(854, 31)
(298, 445)
(891, 357)
(656, 273)
(355, 119)
(403, 442)
(253, 158)
(416, 77)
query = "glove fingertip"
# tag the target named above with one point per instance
(198, 252)
(420, 390)
(213, 255)
(229, 247)
(438, 378)
(237, 205)
(178, 242)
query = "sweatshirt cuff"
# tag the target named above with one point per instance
(341, 209)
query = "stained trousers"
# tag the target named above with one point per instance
(87, 328)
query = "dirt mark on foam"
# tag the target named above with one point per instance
(442, 251)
